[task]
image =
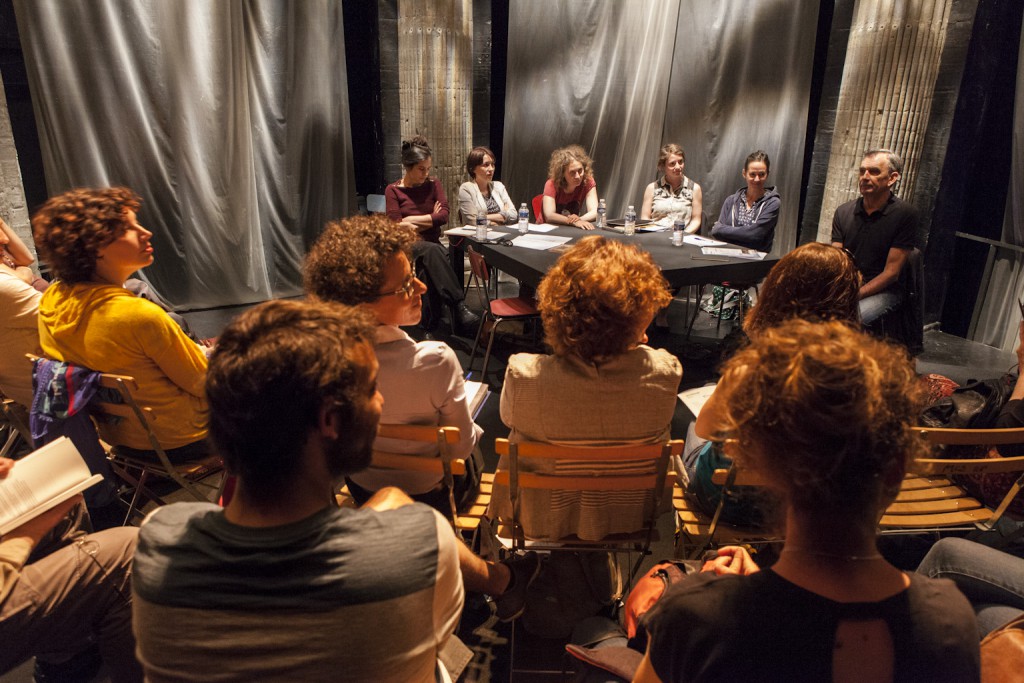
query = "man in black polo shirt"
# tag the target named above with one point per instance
(879, 230)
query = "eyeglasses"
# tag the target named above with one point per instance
(407, 289)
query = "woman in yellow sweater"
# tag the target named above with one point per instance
(92, 241)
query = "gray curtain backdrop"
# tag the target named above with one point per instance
(229, 119)
(623, 78)
(999, 318)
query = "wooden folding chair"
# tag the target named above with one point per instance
(696, 531)
(650, 486)
(463, 521)
(136, 471)
(15, 434)
(930, 501)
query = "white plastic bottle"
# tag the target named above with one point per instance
(524, 219)
(678, 232)
(481, 227)
(630, 227)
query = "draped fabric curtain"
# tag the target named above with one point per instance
(998, 321)
(229, 119)
(623, 78)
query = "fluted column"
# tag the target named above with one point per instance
(12, 191)
(435, 81)
(892, 62)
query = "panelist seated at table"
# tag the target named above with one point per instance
(482, 194)
(570, 193)
(749, 216)
(364, 261)
(602, 386)
(419, 202)
(673, 195)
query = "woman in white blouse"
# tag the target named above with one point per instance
(483, 194)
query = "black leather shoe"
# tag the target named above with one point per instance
(466, 321)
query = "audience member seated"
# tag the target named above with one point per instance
(364, 261)
(570, 193)
(19, 311)
(814, 282)
(880, 230)
(281, 584)
(673, 196)
(59, 606)
(749, 216)
(482, 193)
(92, 241)
(419, 202)
(602, 386)
(992, 580)
(822, 412)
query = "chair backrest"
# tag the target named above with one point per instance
(375, 203)
(445, 465)
(538, 208)
(611, 479)
(478, 265)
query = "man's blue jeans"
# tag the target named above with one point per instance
(875, 306)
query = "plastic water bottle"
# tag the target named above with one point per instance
(602, 215)
(630, 227)
(524, 219)
(678, 231)
(481, 227)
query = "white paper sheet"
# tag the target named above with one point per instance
(749, 254)
(540, 242)
(698, 241)
(694, 399)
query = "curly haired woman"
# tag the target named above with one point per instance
(570, 193)
(92, 241)
(603, 385)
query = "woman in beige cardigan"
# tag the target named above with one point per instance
(602, 386)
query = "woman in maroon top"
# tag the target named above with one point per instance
(419, 201)
(570, 193)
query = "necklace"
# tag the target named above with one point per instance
(836, 556)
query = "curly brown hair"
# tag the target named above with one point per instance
(346, 264)
(72, 227)
(560, 160)
(273, 370)
(823, 412)
(598, 297)
(815, 281)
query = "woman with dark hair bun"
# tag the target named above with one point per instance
(418, 201)
(823, 413)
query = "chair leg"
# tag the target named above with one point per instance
(696, 309)
(476, 342)
(490, 343)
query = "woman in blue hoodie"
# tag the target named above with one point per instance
(749, 216)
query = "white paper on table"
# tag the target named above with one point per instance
(539, 242)
(476, 394)
(470, 231)
(698, 241)
(694, 399)
(543, 227)
(749, 254)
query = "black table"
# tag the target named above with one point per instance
(681, 265)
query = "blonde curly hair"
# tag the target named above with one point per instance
(599, 297)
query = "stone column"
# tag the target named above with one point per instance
(13, 208)
(435, 57)
(892, 62)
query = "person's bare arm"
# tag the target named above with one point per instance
(696, 209)
(15, 247)
(648, 204)
(591, 204)
(893, 264)
(1018, 388)
(387, 498)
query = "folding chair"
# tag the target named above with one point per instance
(137, 471)
(605, 472)
(498, 311)
(14, 430)
(930, 501)
(464, 521)
(696, 531)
